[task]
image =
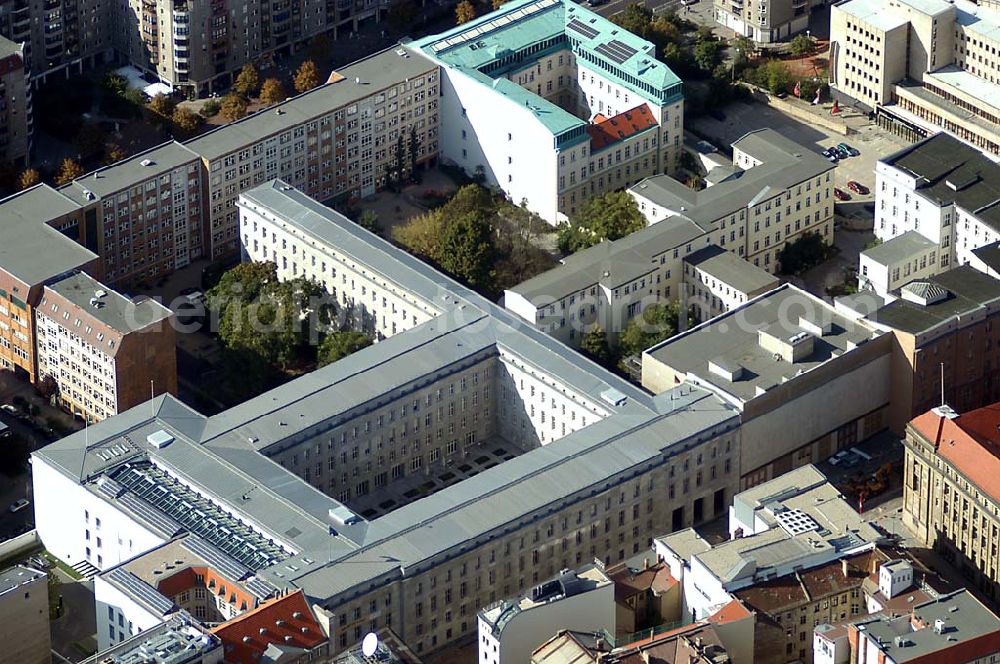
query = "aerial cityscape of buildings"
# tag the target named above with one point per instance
(795, 462)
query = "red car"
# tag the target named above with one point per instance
(841, 195)
(857, 188)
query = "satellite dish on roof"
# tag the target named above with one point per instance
(370, 644)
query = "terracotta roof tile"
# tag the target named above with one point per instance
(242, 638)
(970, 442)
(604, 131)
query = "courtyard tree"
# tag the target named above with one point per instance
(69, 170)
(272, 91)
(802, 45)
(608, 217)
(307, 76)
(185, 121)
(337, 345)
(656, 323)
(29, 178)
(162, 106)
(113, 152)
(465, 11)
(247, 81)
(233, 107)
(594, 345)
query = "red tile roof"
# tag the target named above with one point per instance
(731, 612)
(605, 131)
(285, 621)
(970, 442)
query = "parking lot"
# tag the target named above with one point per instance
(871, 141)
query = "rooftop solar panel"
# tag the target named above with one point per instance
(141, 590)
(221, 562)
(579, 26)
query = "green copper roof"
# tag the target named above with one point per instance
(522, 31)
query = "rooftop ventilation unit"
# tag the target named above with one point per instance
(146, 162)
(159, 439)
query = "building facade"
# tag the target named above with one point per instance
(923, 67)
(305, 486)
(590, 108)
(16, 121)
(950, 497)
(785, 192)
(717, 281)
(106, 353)
(24, 608)
(766, 22)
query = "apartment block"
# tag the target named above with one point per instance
(106, 353)
(784, 192)
(16, 122)
(921, 66)
(950, 497)
(24, 610)
(934, 207)
(808, 380)
(511, 629)
(588, 107)
(143, 215)
(306, 486)
(941, 327)
(766, 22)
(23, 274)
(331, 142)
(794, 525)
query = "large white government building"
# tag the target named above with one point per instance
(555, 104)
(461, 460)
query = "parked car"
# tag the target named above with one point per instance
(857, 188)
(842, 153)
(841, 195)
(848, 149)
(19, 505)
(7, 408)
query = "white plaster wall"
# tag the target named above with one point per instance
(109, 603)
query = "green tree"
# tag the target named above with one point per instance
(465, 11)
(745, 49)
(467, 250)
(233, 107)
(369, 220)
(247, 81)
(608, 217)
(636, 18)
(421, 235)
(413, 151)
(707, 54)
(807, 251)
(594, 345)
(29, 178)
(185, 120)
(162, 106)
(802, 45)
(774, 76)
(337, 345)
(656, 323)
(307, 76)
(210, 108)
(272, 91)
(69, 170)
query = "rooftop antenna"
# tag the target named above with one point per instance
(152, 406)
(942, 383)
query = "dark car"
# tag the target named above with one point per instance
(857, 188)
(853, 152)
(841, 195)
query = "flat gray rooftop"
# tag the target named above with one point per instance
(115, 311)
(14, 577)
(125, 173)
(900, 248)
(969, 292)
(30, 250)
(965, 619)
(731, 341)
(731, 270)
(357, 80)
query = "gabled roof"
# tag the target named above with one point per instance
(606, 131)
(286, 621)
(970, 442)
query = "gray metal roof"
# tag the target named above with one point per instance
(989, 254)
(731, 270)
(123, 174)
(30, 250)
(969, 627)
(969, 292)
(900, 248)
(786, 163)
(16, 576)
(375, 72)
(733, 339)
